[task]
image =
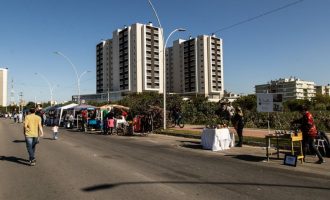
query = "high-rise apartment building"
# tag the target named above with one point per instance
(195, 66)
(291, 88)
(131, 62)
(3, 86)
(103, 66)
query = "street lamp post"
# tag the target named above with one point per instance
(78, 77)
(78, 82)
(164, 72)
(164, 63)
(51, 89)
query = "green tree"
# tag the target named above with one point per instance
(248, 102)
(140, 103)
(319, 98)
(293, 105)
(321, 102)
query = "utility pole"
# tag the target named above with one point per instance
(108, 96)
(12, 93)
(20, 101)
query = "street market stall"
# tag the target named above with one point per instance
(51, 114)
(63, 108)
(87, 117)
(119, 113)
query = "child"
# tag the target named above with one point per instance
(55, 132)
(111, 124)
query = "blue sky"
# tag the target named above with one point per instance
(290, 42)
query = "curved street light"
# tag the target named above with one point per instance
(164, 71)
(78, 81)
(164, 63)
(51, 89)
(78, 77)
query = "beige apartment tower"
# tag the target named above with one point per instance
(195, 66)
(131, 62)
(103, 66)
(3, 86)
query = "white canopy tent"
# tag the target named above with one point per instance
(64, 108)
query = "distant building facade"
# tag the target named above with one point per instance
(291, 88)
(195, 66)
(132, 62)
(231, 97)
(324, 90)
(103, 66)
(3, 86)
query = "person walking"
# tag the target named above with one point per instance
(84, 120)
(32, 131)
(20, 117)
(70, 121)
(15, 117)
(104, 120)
(55, 132)
(309, 131)
(238, 120)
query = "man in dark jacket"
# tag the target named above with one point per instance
(238, 122)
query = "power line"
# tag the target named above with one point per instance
(259, 16)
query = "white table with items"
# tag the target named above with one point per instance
(217, 139)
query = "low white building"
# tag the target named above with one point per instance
(291, 88)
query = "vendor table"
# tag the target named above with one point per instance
(217, 139)
(289, 137)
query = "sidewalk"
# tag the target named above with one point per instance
(257, 154)
(260, 133)
(248, 132)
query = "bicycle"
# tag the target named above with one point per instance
(177, 122)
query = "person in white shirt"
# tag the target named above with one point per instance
(55, 132)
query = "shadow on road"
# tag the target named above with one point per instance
(75, 130)
(48, 138)
(250, 158)
(15, 160)
(111, 186)
(19, 141)
(191, 144)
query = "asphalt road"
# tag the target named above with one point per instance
(88, 166)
